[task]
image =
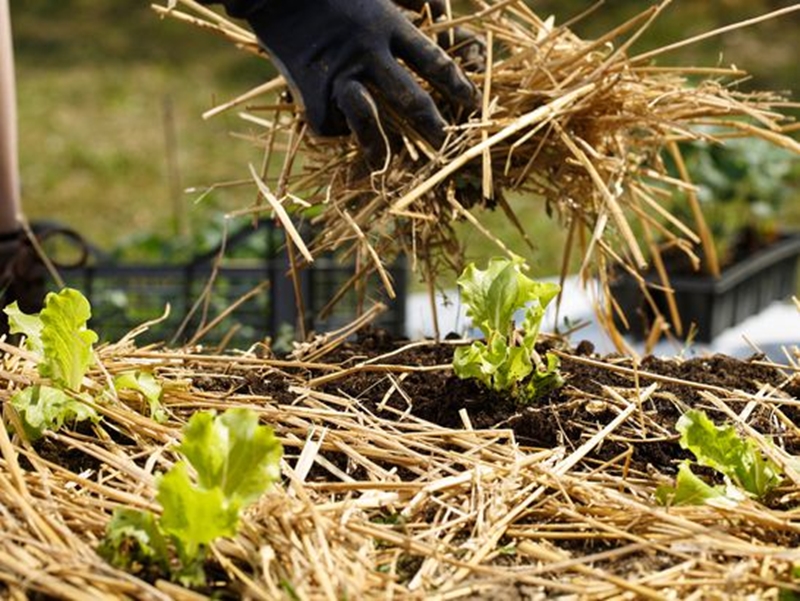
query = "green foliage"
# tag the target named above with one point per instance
(66, 340)
(234, 460)
(145, 384)
(689, 489)
(738, 459)
(29, 326)
(194, 515)
(722, 449)
(754, 171)
(46, 408)
(133, 539)
(58, 336)
(507, 357)
(232, 453)
(748, 188)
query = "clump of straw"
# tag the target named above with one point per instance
(579, 123)
(377, 503)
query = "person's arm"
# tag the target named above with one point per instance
(22, 274)
(9, 161)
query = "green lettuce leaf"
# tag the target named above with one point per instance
(66, 341)
(492, 298)
(29, 326)
(195, 516)
(133, 537)
(469, 363)
(539, 296)
(498, 366)
(47, 408)
(145, 384)
(516, 366)
(545, 379)
(234, 459)
(722, 449)
(689, 489)
(232, 452)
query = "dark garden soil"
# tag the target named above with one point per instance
(566, 416)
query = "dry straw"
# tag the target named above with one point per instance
(582, 124)
(390, 506)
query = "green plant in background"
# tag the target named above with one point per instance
(745, 187)
(233, 461)
(738, 459)
(62, 345)
(507, 360)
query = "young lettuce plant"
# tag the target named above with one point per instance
(507, 361)
(233, 460)
(738, 459)
(60, 340)
(62, 344)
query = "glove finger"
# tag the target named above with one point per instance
(409, 102)
(466, 46)
(432, 64)
(363, 118)
(458, 41)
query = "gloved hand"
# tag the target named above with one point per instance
(341, 57)
(23, 274)
(459, 42)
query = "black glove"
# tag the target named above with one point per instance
(23, 274)
(341, 57)
(459, 42)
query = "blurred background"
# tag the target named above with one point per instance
(111, 97)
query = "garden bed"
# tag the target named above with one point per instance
(399, 479)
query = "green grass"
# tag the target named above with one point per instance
(97, 97)
(95, 80)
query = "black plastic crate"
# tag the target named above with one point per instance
(124, 296)
(715, 304)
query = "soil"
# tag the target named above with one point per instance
(565, 416)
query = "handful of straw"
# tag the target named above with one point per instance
(579, 123)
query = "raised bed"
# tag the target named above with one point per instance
(402, 481)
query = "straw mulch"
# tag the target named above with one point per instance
(582, 124)
(376, 503)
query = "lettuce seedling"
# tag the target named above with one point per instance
(689, 489)
(61, 341)
(145, 384)
(738, 459)
(507, 357)
(233, 461)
